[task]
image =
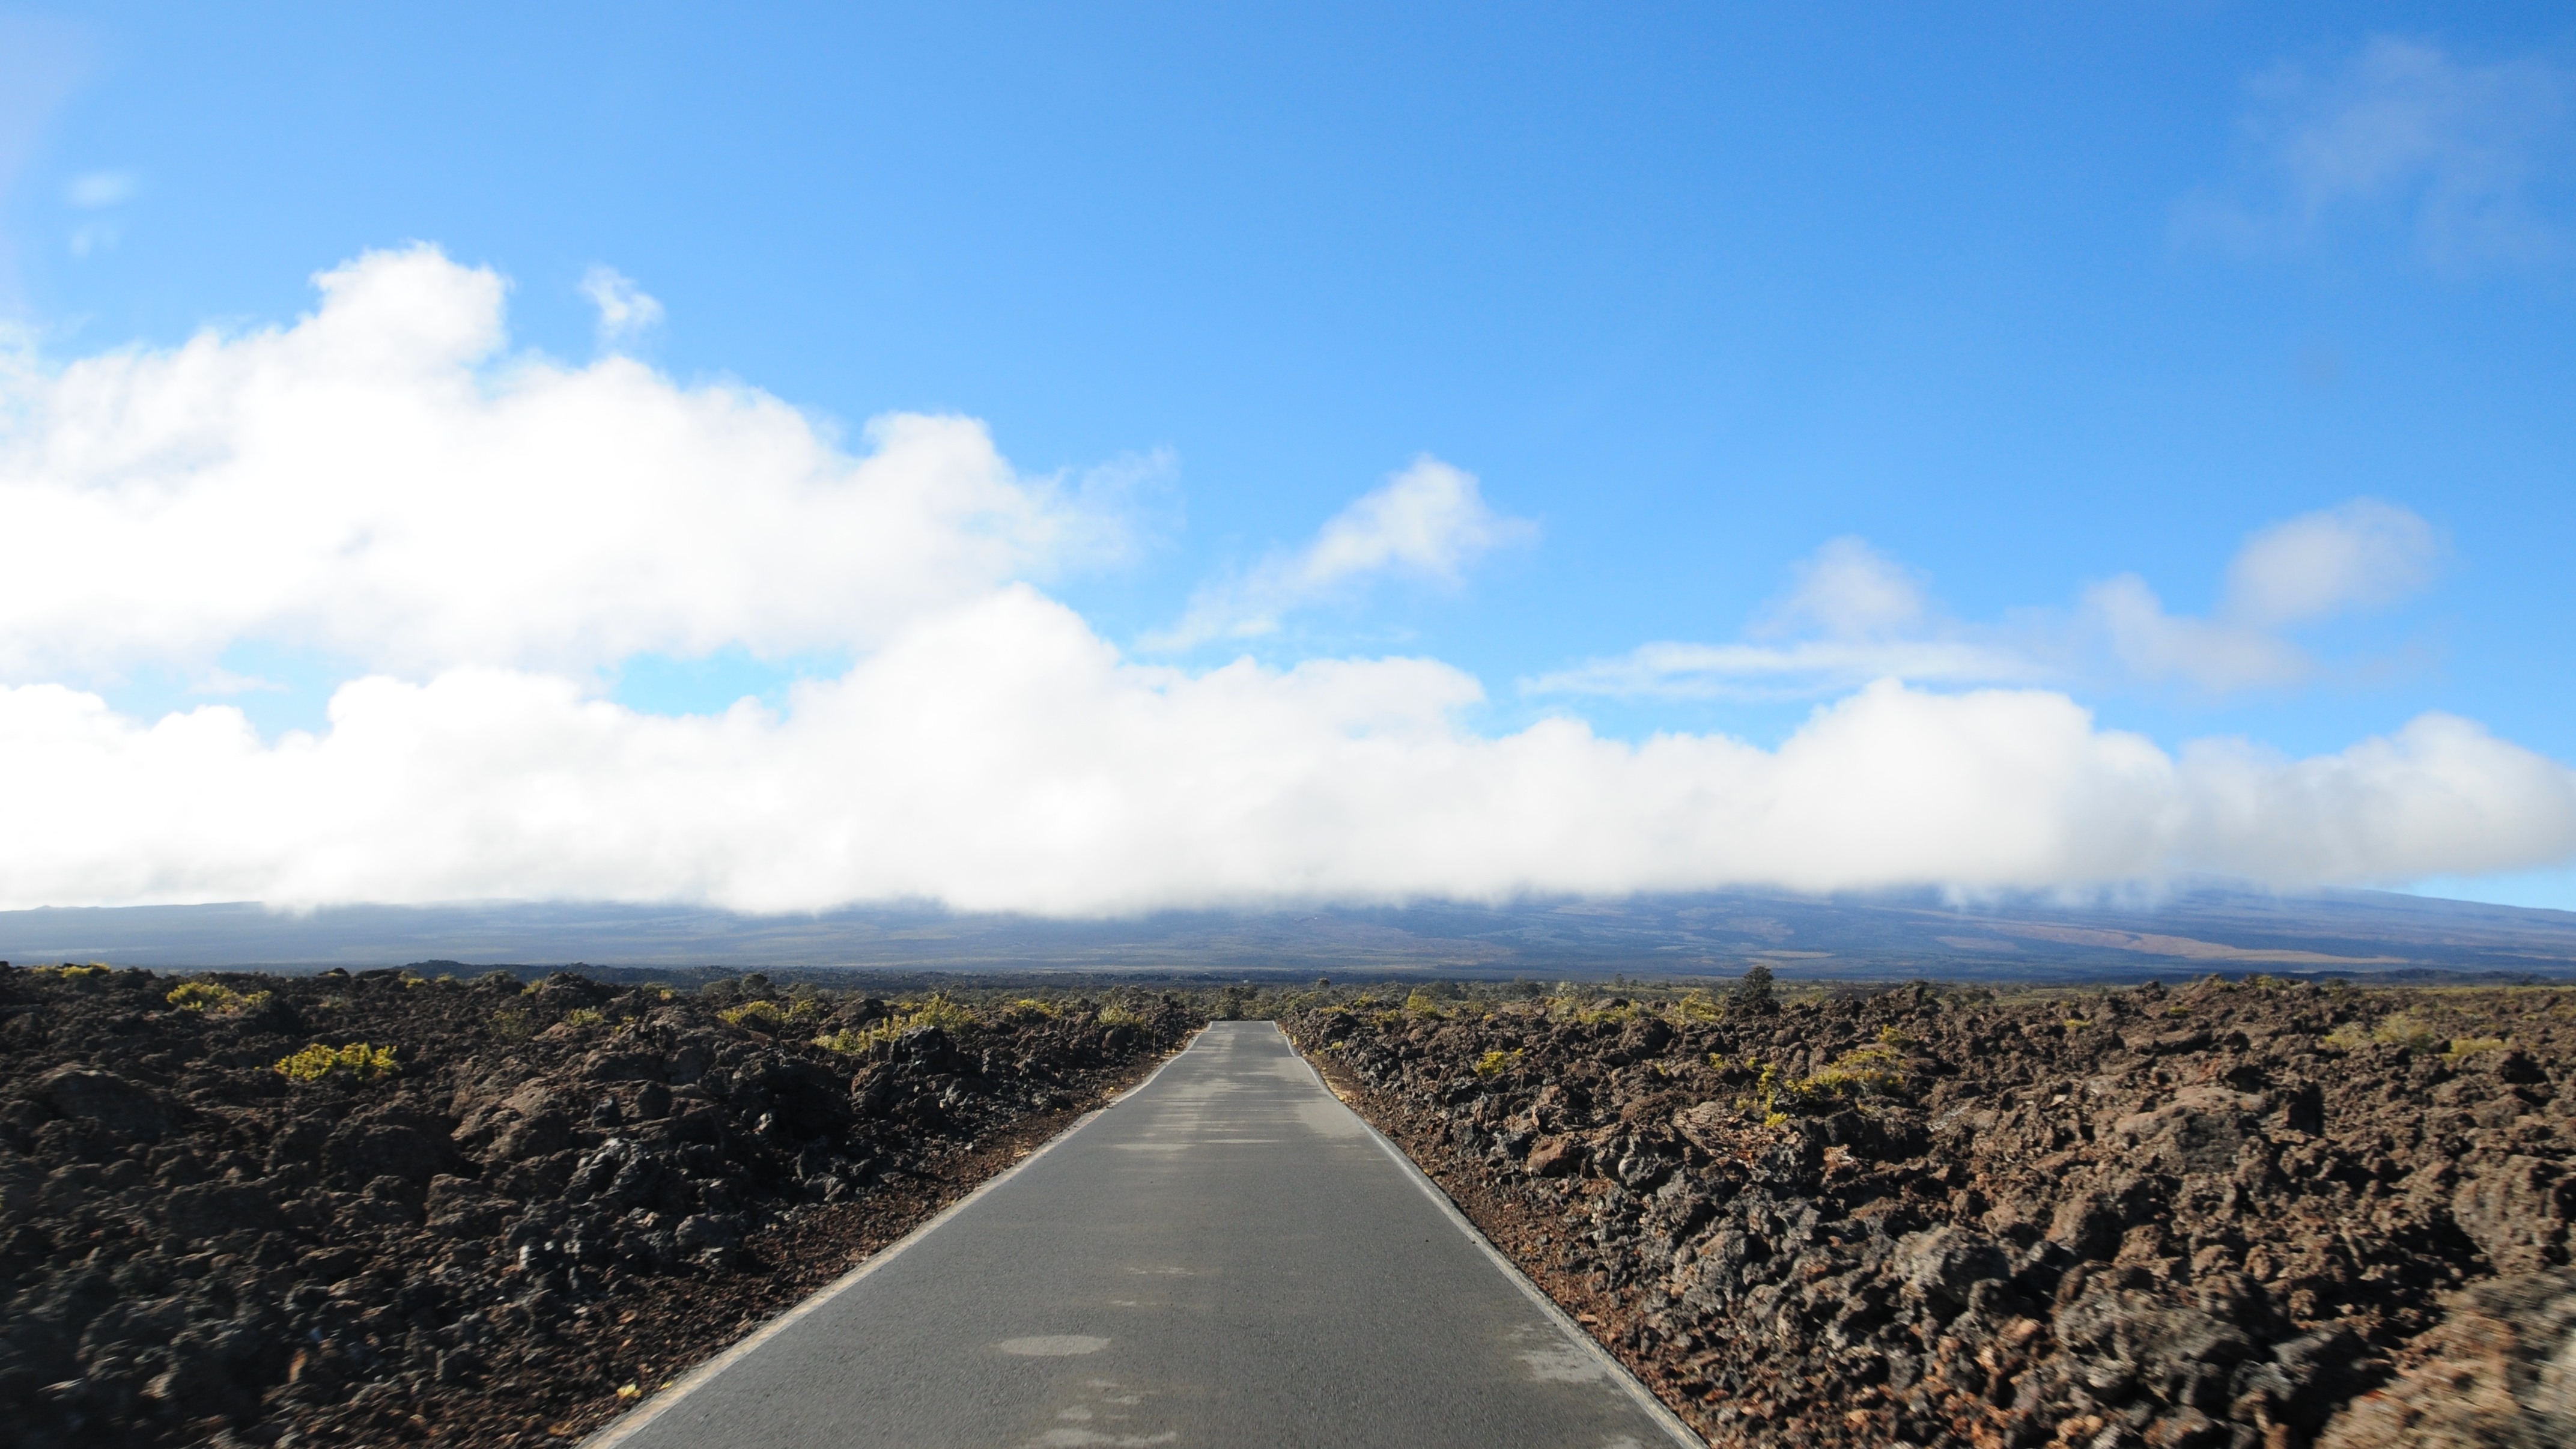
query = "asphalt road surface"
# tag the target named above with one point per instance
(1227, 1256)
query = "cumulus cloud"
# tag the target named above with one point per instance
(1003, 757)
(2460, 156)
(2350, 559)
(2360, 555)
(384, 484)
(625, 310)
(478, 534)
(2215, 655)
(1428, 522)
(1853, 615)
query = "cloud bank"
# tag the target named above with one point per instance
(480, 533)
(1005, 758)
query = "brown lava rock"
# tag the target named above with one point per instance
(2214, 1218)
(561, 1190)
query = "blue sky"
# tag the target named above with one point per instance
(2029, 301)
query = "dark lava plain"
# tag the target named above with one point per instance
(2224, 1216)
(561, 1195)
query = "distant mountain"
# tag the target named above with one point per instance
(2202, 927)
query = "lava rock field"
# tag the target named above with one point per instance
(278, 1211)
(2229, 1215)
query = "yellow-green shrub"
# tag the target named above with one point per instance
(214, 999)
(1697, 1006)
(1870, 1071)
(938, 1011)
(2404, 1029)
(761, 1016)
(359, 1060)
(1495, 1063)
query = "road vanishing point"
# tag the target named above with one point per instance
(1225, 1256)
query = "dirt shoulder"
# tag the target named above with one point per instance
(480, 1213)
(2228, 1215)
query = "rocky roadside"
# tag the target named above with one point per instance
(254, 1210)
(2227, 1215)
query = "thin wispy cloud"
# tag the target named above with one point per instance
(1850, 615)
(1853, 615)
(94, 189)
(93, 193)
(626, 311)
(1426, 523)
(2469, 160)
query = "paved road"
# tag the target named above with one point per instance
(1226, 1257)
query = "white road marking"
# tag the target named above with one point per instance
(1053, 1345)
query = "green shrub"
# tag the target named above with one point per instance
(1753, 992)
(1495, 1063)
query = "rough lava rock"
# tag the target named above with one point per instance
(2232, 1215)
(557, 1182)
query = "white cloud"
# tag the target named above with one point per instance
(2218, 656)
(1004, 758)
(1863, 616)
(1800, 670)
(626, 311)
(1428, 522)
(382, 484)
(481, 533)
(1848, 590)
(2451, 152)
(2348, 559)
(2359, 555)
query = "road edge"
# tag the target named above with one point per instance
(634, 1421)
(1680, 1433)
